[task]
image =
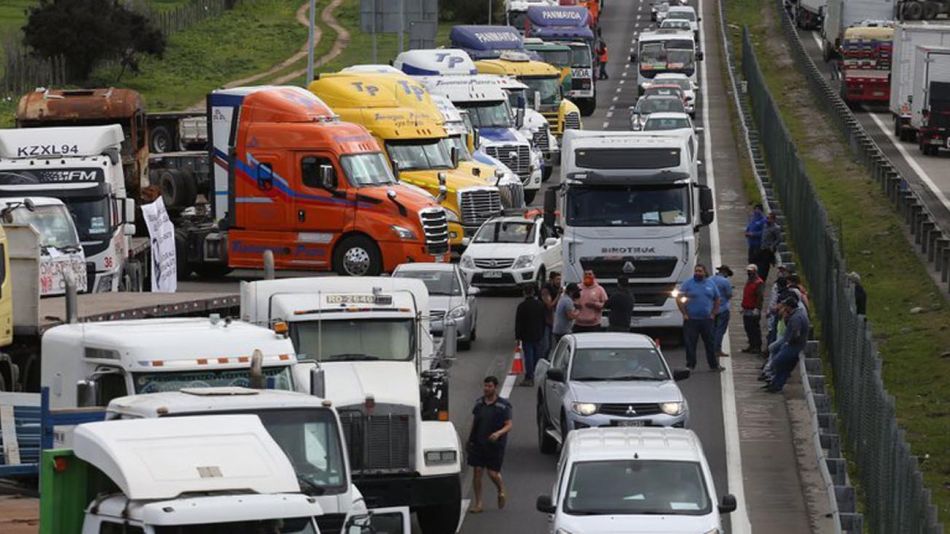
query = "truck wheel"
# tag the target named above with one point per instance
(442, 519)
(930, 10)
(357, 256)
(211, 270)
(529, 196)
(178, 189)
(546, 444)
(160, 140)
(588, 106)
(913, 10)
(547, 172)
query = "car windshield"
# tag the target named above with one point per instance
(437, 282)
(581, 57)
(630, 487)
(355, 340)
(367, 169)
(488, 114)
(618, 364)
(682, 15)
(653, 205)
(420, 154)
(290, 525)
(670, 123)
(55, 227)
(506, 232)
(675, 23)
(682, 83)
(654, 105)
(175, 380)
(549, 88)
(556, 57)
(653, 90)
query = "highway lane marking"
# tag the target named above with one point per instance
(814, 37)
(730, 422)
(606, 124)
(508, 385)
(615, 98)
(610, 114)
(928, 181)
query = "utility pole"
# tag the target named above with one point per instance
(490, 2)
(312, 44)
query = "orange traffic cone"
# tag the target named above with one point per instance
(517, 365)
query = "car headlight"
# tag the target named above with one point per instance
(458, 313)
(404, 233)
(441, 457)
(467, 262)
(451, 216)
(671, 408)
(524, 261)
(584, 408)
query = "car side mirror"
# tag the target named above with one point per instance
(328, 177)
(728, 504)
(698, 129)
(550, 242)
(545, 505)
(699, 56)
(680, 374)
(556, 375)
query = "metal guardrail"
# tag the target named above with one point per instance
(932, 241)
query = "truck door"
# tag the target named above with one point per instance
(322, 207)
(260, 204)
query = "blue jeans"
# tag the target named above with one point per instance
(546, 341)
(784, 364)
(722, 323)
(532, 352)
(693, 329)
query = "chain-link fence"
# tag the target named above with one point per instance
(895, 499)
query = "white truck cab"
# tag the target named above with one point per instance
(634, 479)
(629, 205)
(82, 166)
(61, 253)
(373, 357)
(306, 428)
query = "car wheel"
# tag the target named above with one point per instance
(546, 444)
(464, 344)
(472, 336)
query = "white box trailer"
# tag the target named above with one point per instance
(930, 105)
(839, 14)
(809, 13)
(907, 37)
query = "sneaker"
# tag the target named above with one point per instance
(528, 382)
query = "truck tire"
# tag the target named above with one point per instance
(931, 9)
(547, 172)
(357, 255)
(178, 189)
(546, 444)
(160, 140)
(912, 10)
(442, 519)
(211, 270)
(587, 106)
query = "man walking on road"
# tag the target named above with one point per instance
(602, 57)
(550, 293)
(591, 303)
(752, 309)
(491, 423)
(566, 312)
(620, 307)
(753, 233)
(771, 237)
(529, 330)
(698, 301)
(724, 286)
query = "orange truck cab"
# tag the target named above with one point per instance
(291, 178)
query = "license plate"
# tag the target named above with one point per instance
(631, 422)
(492, 274)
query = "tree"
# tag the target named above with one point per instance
(87, 31)
(472, 11)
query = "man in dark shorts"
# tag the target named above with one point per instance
(491, 422)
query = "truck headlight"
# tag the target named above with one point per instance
(584, 408)
(523, 261)
(441, 457)
(451, 216)
(458, 313)
(467, 262)
(105, 283)
(671, 408)
(677, 295)
(404, 233)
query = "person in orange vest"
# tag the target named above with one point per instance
(602, 59)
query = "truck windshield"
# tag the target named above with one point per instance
(290, 525)
(175, 380)
(556, 57)
(444, 283)
(516, 19)
(581, 57)
(364, 170)
(488, 114)
(419, 154)
(549, 87)
(654, 205)
(456, 141)
(506, 232)
(53, 223)
(341, 340)
(618, 364)
(629, 487)
(92, 216)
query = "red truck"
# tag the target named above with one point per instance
(865, 64)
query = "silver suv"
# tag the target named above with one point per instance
(606, 380)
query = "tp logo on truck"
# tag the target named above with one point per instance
(413, 89)
(371, 89)
(453, 60)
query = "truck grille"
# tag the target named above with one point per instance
(512, 195)
(383, 442)
(495, 263)
(330, 522)
(636, 267)
(516, 157)
(540, 137)
(478, 205)
(572, 121)
(552, 117)
(645, 295)
(622, 409)
(436, 228)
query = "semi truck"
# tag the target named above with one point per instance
(555, 54)
(630, 205)
(83, 167)
(534, 125)
(517, 10)
(377, 363)
(808, 13)
(922, 9)
(841, 14)
(219, 473)
(907, 37)
(865, 66)
(930, 106)
(485, 42)
(569, 26)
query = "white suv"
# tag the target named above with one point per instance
(509, 252)
(634, 480)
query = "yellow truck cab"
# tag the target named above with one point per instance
(415, 142)
(542, 80)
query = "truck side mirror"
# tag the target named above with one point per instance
(454, 153)
(699, 56)
(129, 208)
(519, 118)
(633, 58)
(318, 382)
(537, 100)
(550, 206)
(728, 505)
(359, 524)
(87, 393)
(328, 177)
(706, 210)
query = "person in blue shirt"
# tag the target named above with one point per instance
(721, 322)
(698, 301)
(753, 232)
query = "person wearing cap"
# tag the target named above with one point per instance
(698, 301)
(721, 323)
(793, 341)
(752, 309)
(860, 296)
(772, 317)
(753, 232)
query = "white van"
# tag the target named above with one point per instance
(634, 479)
